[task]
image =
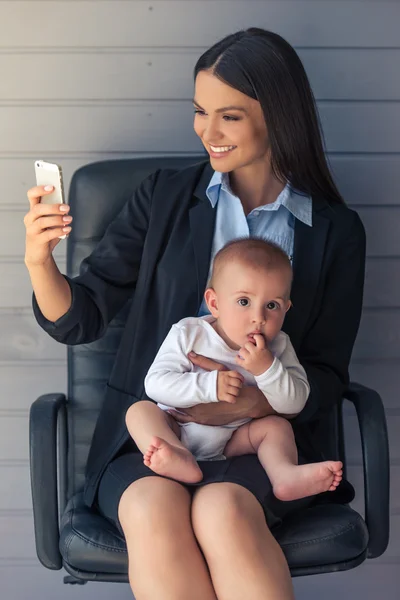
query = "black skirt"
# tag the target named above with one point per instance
(246, 471)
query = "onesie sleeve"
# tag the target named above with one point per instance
(171, 379)
(285, 383)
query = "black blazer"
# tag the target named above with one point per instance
(157, 252)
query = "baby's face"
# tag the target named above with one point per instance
(250, 301)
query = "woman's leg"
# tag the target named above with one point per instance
(244, 559)
(165, 562)
(157, 434)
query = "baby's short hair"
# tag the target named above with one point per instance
(254, 252)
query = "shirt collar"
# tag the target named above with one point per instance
(299, 204)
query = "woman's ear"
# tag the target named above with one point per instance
(212, 302)
(289, 305)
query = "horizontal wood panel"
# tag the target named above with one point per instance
(16, 288)
(384, 377)
(148, 74)
(31, 580)
(370, 581)
(14, 437)
(366, 179)
(166, 127)
(116, 23)
(361, 179)
(358, 127)
(378, 336)
(22, 339)
(381, 225)
(17, 537)
(21, 384)
(16, 495)
(382, 230)
(382, 286)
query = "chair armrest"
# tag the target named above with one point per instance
(43, 421)
(376, 461)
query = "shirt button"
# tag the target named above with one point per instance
(256, 213)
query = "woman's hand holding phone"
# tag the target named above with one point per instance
(45, 224)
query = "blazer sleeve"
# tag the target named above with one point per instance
(107, 277)
(326, 349)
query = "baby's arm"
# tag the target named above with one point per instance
(170, 379)
(285, 383)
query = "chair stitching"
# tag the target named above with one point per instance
(323, 539)
(88, 541)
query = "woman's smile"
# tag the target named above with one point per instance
(220, 151)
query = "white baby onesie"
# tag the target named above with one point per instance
(175, 382)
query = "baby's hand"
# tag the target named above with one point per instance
(229, 384)
(255, 358)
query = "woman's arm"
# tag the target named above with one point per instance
(326, 349)
(107, 277)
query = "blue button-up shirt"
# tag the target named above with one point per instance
(273, 222)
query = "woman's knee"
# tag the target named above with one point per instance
(220, 507)
(152, 503)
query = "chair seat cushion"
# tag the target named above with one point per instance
(318, 535)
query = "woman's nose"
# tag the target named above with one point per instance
(211, 133)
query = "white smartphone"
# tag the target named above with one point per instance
(50, 174)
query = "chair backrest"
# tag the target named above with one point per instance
(97, 193)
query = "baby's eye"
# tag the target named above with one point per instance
(272, 305)
(243, 302)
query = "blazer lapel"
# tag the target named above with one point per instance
(202, 222)
(308, 255)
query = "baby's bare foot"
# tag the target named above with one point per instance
(168, 460)
(307, 480)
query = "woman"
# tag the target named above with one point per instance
(256, 117)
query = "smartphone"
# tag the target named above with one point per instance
(50, 174)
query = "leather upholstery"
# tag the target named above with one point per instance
(323, 535)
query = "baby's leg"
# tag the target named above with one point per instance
(156, 434)
(273, 440)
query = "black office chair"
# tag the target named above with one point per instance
(323, 538)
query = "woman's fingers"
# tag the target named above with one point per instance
(206, 363)
(35, 194)
(178, 416)
(42, 223)
(45, 210)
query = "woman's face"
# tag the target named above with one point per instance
(230, 124)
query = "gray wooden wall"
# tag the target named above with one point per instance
(93, 79)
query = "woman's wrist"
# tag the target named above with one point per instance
(258, 405)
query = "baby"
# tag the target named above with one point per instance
(248, 297)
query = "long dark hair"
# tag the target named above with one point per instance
(264, 66)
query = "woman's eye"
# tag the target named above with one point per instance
(272, 305)
(198, 112)
(229, 118)
(243, 302)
